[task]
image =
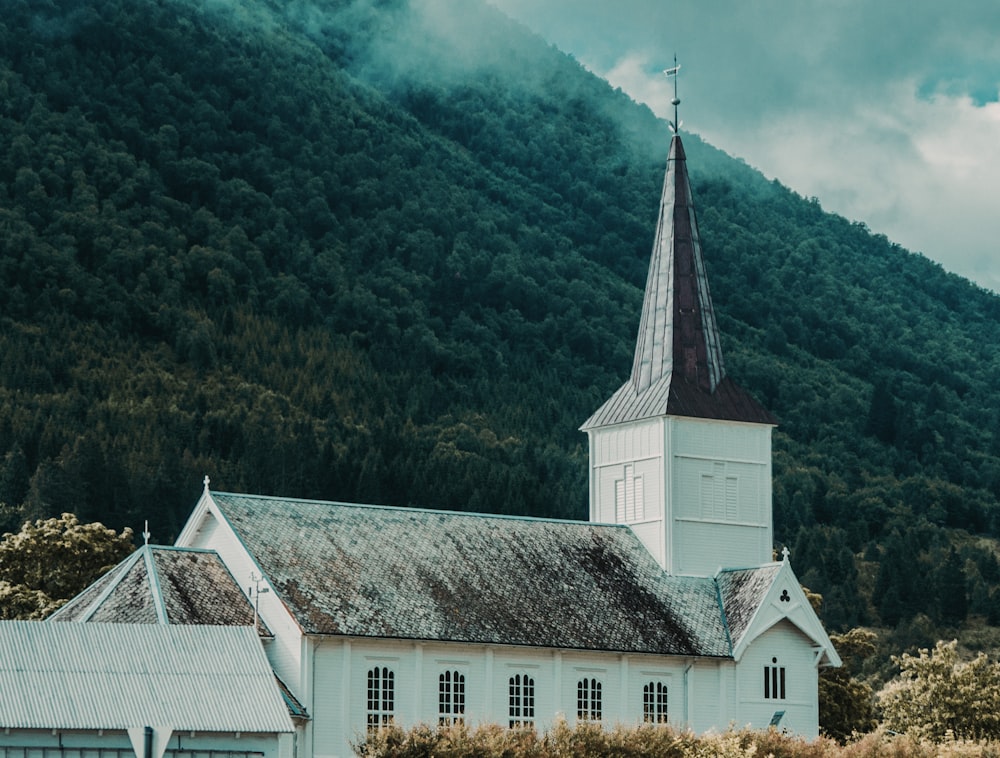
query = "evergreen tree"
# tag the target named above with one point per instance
(952, 592)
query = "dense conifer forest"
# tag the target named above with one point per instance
(393, 251)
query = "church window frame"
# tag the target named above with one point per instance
(589, 699)
(774, 681)
(451, 697)
(720, 494)
(655, 702)
(629, 496)
(520, 701)
(381, 708)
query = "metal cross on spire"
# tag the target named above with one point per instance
(675, 125)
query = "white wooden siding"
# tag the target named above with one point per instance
(628, 442)
(90, 744)
(284, 651)
(705, 487)
(720, 489)
(342, 665)
(793, 651)
(639, 445)
(700, 549)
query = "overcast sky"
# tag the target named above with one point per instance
(886, 111)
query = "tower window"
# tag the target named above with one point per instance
(381, 697)
(451, 698)
(629, 496)
(521, 695)
(654, 703)
(774, 681)
(719, 500)
(588, 700)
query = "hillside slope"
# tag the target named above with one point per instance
(393, 252)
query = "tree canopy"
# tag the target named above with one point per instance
(52, 560)
(938, 696)
(296, 248)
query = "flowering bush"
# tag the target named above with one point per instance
(591, 741)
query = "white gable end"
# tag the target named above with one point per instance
(786, 601)
(207, 528)
(777, 681)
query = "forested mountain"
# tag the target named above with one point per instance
(393, 252)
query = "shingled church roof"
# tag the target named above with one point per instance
(164, 585)
(678, 368)
(377, 571)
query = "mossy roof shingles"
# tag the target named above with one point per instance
(421, 574)
(741, 592)
(189, 587)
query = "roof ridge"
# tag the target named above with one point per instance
(722, 612)
(181, 548)
(153, 577)
(416, 509)
(126, 568)
(731, 569)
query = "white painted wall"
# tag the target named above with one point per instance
(706, 490)
(639, 444)
(720, 476)
(285, 650)
(697, 688)
(795, 652)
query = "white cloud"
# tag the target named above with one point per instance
(886, 113)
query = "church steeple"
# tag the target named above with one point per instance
(677, 333)
(677, 368)
(680, 452)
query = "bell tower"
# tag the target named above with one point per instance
(680, 452)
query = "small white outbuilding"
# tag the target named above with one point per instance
(123, 690)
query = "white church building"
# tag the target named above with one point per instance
(667, 606)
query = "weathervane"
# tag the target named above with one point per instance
(675, 125)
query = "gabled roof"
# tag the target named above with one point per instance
(123, 676)
(756, 599)
(164, 585)
(375, 571)
(677, 367)
(742, 591)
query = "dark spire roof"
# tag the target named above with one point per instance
(678, 331)
(678, 367)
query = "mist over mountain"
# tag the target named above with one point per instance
(393, 252)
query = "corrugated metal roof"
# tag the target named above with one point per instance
(677, 367)
(409, 573)
(118, 676)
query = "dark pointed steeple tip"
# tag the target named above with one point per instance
(676, 149)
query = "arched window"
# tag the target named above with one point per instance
(451, 698)
(588, 700)
(654, 703)
(381, 697)
(521, 692)
(774, 681)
